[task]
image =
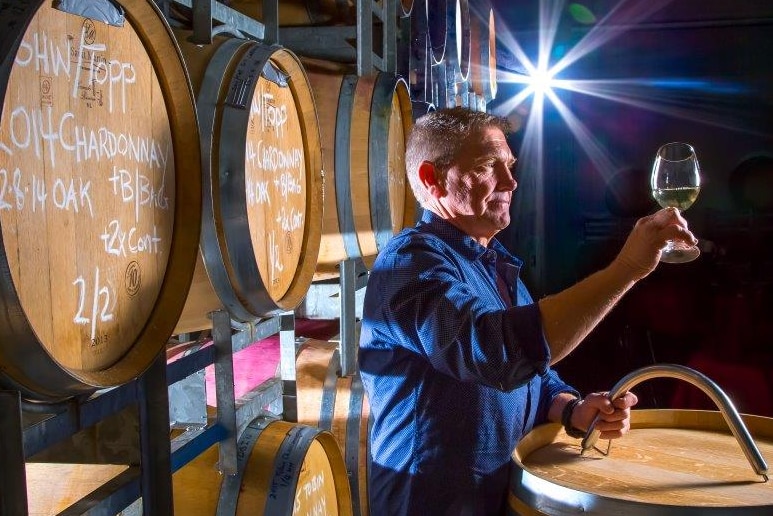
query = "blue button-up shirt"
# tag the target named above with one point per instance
(455, 374)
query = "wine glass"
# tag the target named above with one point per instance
(675, 183)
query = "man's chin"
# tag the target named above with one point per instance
(499, 218)
(500, 223)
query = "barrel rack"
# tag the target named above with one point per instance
(162, 396)
(29, 428)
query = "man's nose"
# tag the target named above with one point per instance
(506, 181)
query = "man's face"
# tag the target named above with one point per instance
(480, 185)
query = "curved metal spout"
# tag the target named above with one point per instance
(705, 384)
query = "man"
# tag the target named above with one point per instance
(454, 354)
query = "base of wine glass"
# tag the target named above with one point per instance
(679, 253)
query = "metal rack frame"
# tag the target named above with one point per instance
(31, 432)
(335, 42)
(28, 431)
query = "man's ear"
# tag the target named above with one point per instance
(428, 178)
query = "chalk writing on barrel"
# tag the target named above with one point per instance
(270, 116)
(87, 178)
(274, 166)
(68, 194)
(138, 189)
(274, 257)
(310, 496)
(37, 127)
(47, 57)
(290, 220)
(273, 158)
(96, 301)
(257, 192)
(119, 241)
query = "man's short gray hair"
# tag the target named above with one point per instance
(439, 136)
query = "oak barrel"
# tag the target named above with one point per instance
(283, 469)
(338, 405)
(364, 123)
(483, 52)
(435, 12)
(419, 56)
(262, 177)
(100, 196)
(457, 54)
(441, 95)
(671, 461)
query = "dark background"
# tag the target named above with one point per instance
(702, 72)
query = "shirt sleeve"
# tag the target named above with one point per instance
(425, 300)
(552, 386)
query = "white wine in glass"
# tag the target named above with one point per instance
(675, 183)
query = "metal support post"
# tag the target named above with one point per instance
(271, 21)
(287, 353)
(390, 36)
(202, 22)
(403, 54)
(155, 449)
(230, 19)
(364, 37)
(13, 480)
(348, 346)
(224, 389)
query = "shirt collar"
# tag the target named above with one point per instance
(462, 242)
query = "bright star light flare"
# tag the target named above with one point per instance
(543, 80)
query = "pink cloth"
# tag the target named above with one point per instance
(259, 361)
(253, 365)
